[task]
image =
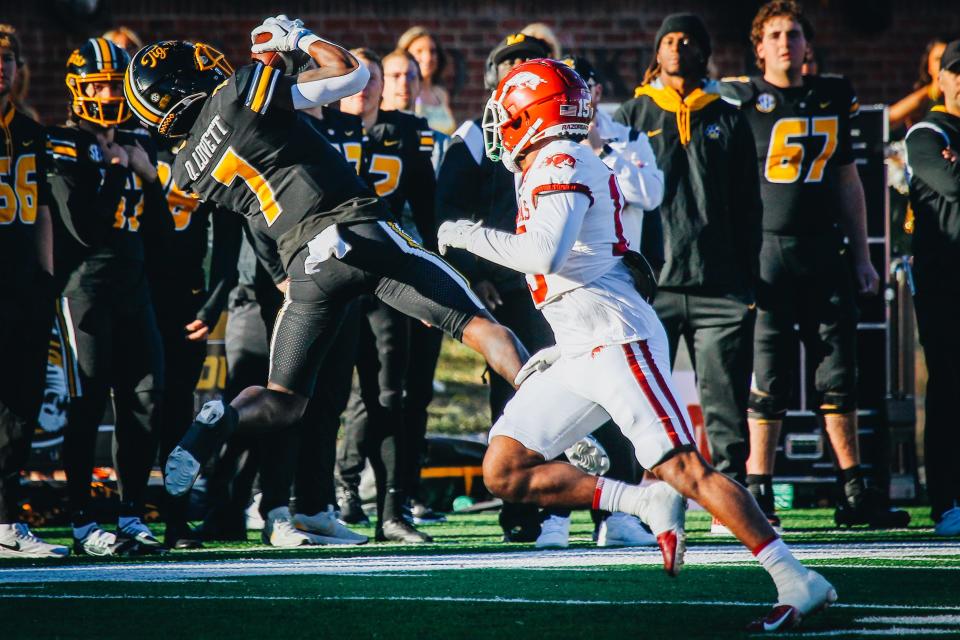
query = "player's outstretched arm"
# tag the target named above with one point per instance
(338, 74)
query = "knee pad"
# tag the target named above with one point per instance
(765, 406)
(836, 402)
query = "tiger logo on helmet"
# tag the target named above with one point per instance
(168, 82)
(95, 63)
(538, 99)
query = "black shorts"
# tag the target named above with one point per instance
(805, 282)
(382, 261)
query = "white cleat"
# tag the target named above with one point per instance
(554, 533)
(134, 529)
(180, 471)
(325, 527)
(624, 530)
(17, 541)
(279, 531)
(806, 596)
(665, 511)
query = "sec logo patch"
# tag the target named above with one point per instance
(766, 103)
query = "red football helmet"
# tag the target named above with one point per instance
(538, 99)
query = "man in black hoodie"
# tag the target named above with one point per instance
(711, 225)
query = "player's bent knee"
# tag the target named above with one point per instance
(505, 468)
(684, 470)
(764, 406)
(837, 403)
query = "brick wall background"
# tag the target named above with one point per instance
(876, 43)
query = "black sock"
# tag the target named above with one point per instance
(761, 488)
(853, 484)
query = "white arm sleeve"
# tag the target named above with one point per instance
(317, 93)
(551, 232)
(637, 173)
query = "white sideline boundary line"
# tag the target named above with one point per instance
(463, 600)
(707, 555)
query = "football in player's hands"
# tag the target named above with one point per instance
(288, 62)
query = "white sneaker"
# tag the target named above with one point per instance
(278, 531)
(93, 540)
(254, 519)
(805, 596)
(717, 528)
(325, 527)
(180, 471)
(665, 511)
(949, 524)
(134, 529)
(17, 541)
(624, 530)
(554, 533)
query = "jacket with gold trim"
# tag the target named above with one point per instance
(711, 206)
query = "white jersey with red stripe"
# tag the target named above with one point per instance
(590, 300)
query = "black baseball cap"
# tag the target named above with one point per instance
(519, 45)
(951, 57)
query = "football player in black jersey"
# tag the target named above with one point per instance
(106, 196)
(245, 149)
(812, 197)
(396, 164)
(26, 299)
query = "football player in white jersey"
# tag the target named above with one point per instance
(613, 360)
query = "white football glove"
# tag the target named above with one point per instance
(285, 34)
(455, 234)
(538, 362)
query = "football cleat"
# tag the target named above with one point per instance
(134, 529)
(351, 507)
(213, 425)
(325, 528)
(399, 530)
(279, 531)
(870, 508)
(181, 536)
(665, 511)
(95, 541)
(17, 541)
(554, 533)
(805, 597)
(624, 530)
(949, 524)
(419, 513)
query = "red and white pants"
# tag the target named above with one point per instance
(629, 383)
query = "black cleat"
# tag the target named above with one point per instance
(871, 509)
(351, 508)
(399, 530)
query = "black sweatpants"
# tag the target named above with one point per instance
(118, 347)
(26, 316)
(177, 306)
(374, 427)
(937, 303)
(718, 332)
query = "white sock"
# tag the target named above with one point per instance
(615, 495)
(776, 558)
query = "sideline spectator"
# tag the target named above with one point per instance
(433, 101)
(542, 31)
(711, 223)
(932, 148)
(926, 90)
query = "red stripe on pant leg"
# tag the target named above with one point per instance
(651, 397)
(596, 495)
(665, 390)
